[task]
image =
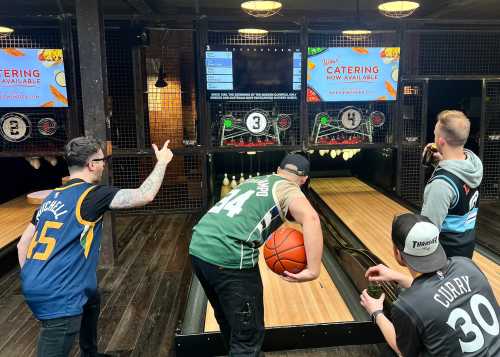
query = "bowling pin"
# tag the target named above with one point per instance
(51, 160)
(233, 182)
(249, 177)
(333, 154)
(258, 173)
(242, 178)
(225, 189)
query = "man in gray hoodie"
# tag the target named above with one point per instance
(451, 194)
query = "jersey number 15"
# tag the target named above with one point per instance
(49, 242)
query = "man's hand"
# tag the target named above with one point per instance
(304, 275)
(370, 304)
(165, 154)
(382, 273)
(436, 156)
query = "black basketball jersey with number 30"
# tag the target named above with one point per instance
(448, 313)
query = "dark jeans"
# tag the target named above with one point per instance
(57, 336)
(236, 296)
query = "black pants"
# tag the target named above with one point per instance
(236, 296)
(57, 336)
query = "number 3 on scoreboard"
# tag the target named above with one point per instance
(49, 242)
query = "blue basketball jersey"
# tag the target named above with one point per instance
(60, 270)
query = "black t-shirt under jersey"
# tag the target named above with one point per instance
(454, 313)
(95, 203)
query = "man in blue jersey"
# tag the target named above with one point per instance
(447, 308)
(451, 197)
(59, 250)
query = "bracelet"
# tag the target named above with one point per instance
(375, 314)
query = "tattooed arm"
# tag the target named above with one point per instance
(141, 196)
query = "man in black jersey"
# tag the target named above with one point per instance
(451, 196)
(447, 308)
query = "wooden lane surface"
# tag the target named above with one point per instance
(287, 304)
(14, 216)
(369, 214)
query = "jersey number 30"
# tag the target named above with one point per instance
(469, 327)
(232, 203)
(49, 242)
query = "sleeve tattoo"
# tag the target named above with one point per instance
(127, 198)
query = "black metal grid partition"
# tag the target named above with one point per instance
(143, 113)
(181, 189)
(381, 135)
(274, 41)
(490, 189)
(121, 93)
(412, 97)
(452, 52)
(39, 140)
(447, 54)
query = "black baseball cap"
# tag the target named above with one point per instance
(417, 239)
(296, 164)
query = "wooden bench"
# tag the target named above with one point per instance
(14, 217)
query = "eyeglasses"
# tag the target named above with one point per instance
(104, 159)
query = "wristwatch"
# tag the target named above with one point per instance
(375, 314)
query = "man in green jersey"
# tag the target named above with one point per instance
(224, 249)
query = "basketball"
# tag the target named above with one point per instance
(284, 250)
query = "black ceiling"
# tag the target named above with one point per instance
(334, 9)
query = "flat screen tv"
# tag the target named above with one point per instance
(32, 78)
(347, 74)
(253, 72)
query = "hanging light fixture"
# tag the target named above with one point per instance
(398, 9)
(160, 82)
(261, 8)
(5, 31)
(162, 75)
(357, 34)
(253, 33)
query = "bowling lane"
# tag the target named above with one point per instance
(368, 214)
(287, 304)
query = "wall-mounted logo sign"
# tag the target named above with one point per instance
(47, 126)
(350, 117)
(284, 122)
(377, 118)
(15, 127)
(257, 122)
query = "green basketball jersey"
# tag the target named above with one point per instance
(231, 232)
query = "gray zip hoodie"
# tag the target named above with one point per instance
(438, 194)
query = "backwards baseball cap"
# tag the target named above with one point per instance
(296, 164)
(417, 238)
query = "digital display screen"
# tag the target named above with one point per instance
(346, 74)
(253, 73)
(32, 78)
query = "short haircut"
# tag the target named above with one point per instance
(78, 150)
(454, 126)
